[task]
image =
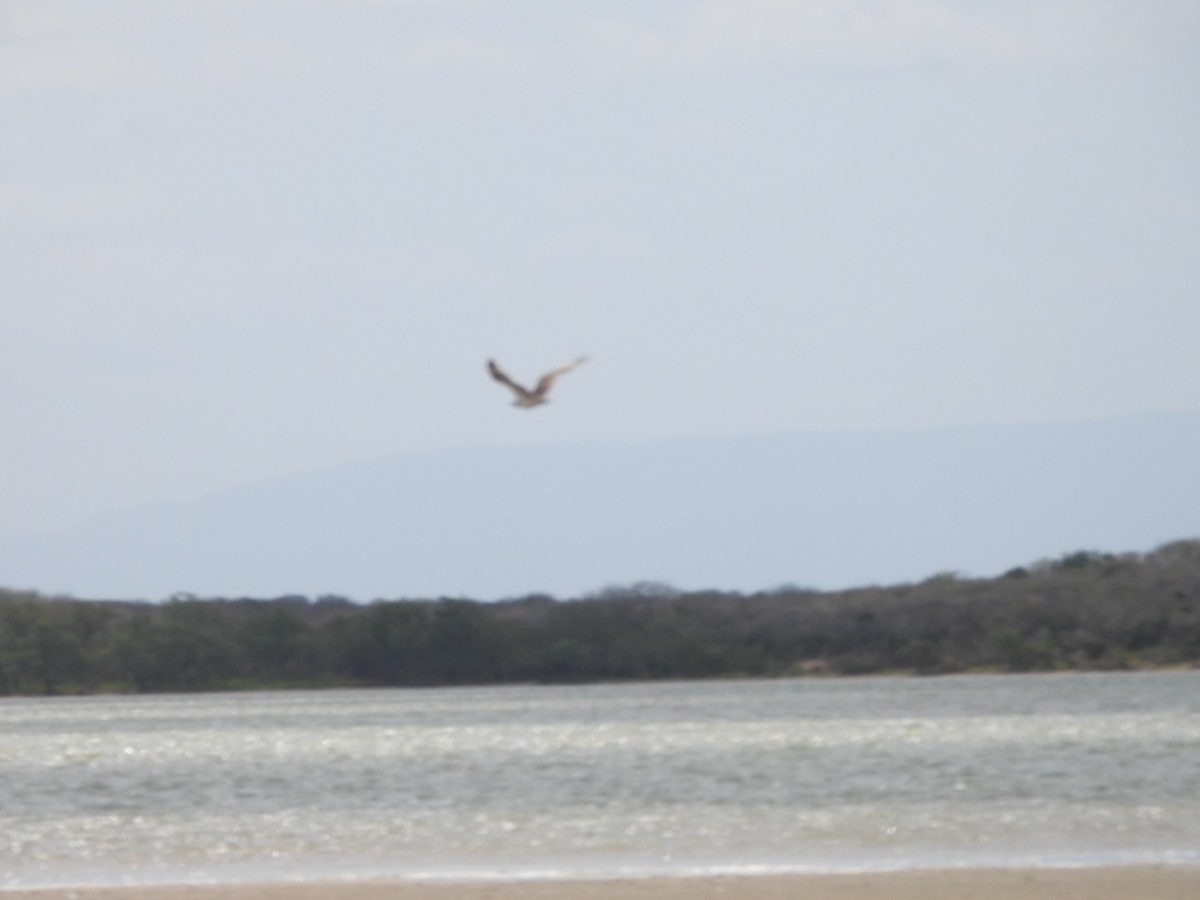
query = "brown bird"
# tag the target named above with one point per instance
(527, 399)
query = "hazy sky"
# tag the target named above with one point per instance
(254, 237)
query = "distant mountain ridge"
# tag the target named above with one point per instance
(826, 510)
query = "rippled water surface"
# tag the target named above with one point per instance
(816, 774)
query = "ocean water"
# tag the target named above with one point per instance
(610, 780)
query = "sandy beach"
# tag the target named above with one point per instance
(1124, 883)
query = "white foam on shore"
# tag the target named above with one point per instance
(625, 868)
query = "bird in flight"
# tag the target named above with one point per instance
(527, 399)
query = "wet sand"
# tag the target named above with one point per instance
(1124, 883)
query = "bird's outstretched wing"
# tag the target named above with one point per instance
(547, 381)
(501, 376)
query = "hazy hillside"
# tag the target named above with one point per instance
(740, 513)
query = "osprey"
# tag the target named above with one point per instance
(527, 399)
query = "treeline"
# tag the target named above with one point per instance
(1086, 610)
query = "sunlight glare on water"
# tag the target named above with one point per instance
(817, 774)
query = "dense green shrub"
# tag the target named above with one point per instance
(1086, 610)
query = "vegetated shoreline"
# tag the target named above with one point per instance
(1086, 611)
